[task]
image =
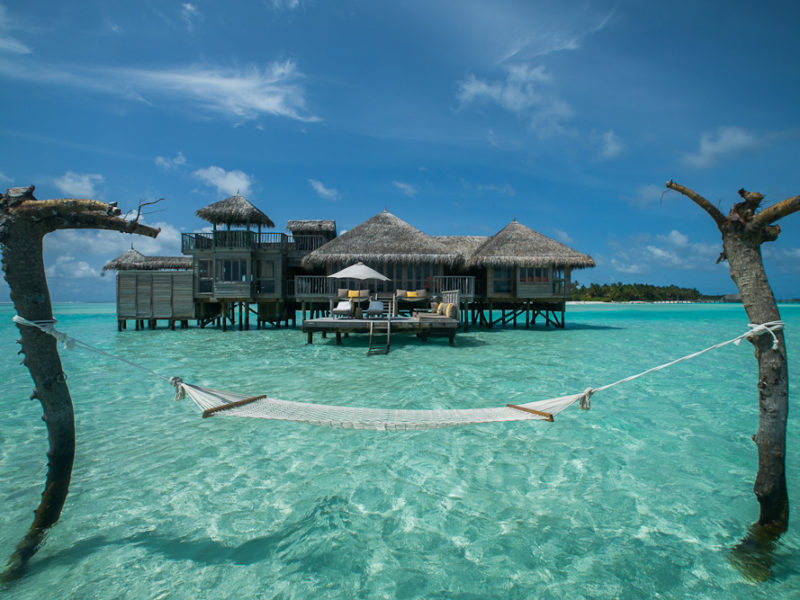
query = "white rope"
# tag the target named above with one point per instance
(264, 407)
(69, 343)
(755, 330)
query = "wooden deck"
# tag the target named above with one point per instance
(422, 324)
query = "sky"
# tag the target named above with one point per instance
(456, 116)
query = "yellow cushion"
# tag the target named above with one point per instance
(411, 294)
(352, 293)
(450, 311)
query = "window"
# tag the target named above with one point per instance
(265, 274)
(205, 284)
(232, 270)
(534, 275)
(502, 280)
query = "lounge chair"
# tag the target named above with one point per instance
(343, 309)
(375, 309)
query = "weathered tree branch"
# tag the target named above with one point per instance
(712, 210)
(775, 212)
(24, 221)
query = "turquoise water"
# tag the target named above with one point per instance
(640, 497)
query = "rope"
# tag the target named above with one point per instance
(755, 330)
(265, 407)
(69, 343)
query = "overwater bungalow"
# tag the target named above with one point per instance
(517, 273)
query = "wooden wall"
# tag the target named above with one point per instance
(155, 295)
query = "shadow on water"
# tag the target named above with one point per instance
(314, 540)
(757, 556)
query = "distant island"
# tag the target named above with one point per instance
(642, 292)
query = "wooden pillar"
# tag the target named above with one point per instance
(338, 338)
(247, 316)
(224, 316)
(310, 337)
(241, 321)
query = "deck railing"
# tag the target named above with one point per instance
(233, 240)
(314, 286)
(262, 241)
(196, 241)
(306, 243)
(465, 284)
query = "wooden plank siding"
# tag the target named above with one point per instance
(155, 295)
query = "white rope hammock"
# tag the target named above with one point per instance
(218, 402)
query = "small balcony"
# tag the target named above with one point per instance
(233, 240)
(464, 284)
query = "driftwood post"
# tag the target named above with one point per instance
(743, 231)
(24, 221)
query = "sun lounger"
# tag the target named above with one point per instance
(375, 308)
(343, 309)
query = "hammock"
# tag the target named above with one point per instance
(218, 402)
(263, 407)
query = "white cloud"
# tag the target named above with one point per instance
(322, 191)
(226, 182)
(103, 245)
(504, 189)
(169, 164)
(675, 238)
(67, 266)
(285, 4)
(531, 30)
(646, 253)
(7, 42)
(610, 145)
(563, 236)
(236, 93)
(190, 13)
(645, 196)
(727, 142)
(782, 260)
(408, 189)
(78, 185)
(80, 254)
(4, 178)
(526, 91)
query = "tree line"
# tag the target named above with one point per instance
(631, 292)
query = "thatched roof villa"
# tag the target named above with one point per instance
(517, 269)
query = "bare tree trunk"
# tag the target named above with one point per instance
(747, 271)
(24, 271)
(24, 221)
(743, 231)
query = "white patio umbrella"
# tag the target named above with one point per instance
(358, 271)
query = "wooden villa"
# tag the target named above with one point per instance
(237, 268)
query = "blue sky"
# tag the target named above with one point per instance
(456, 116)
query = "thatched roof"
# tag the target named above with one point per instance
(465, 245)
(383, 238)
(133, 260)
(517, 245)
(311, 226)
(236, 210)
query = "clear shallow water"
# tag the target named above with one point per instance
(640, 497)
